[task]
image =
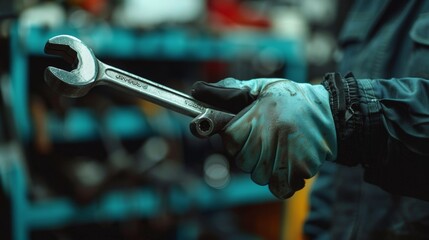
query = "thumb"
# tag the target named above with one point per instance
(229, 94)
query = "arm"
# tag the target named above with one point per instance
(387, 130)
(284, 131)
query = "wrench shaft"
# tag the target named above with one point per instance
(151, 91)
(207, 120)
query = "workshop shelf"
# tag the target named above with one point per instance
(80, 124)
(114, 205)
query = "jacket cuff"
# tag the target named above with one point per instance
(373, 134)
(345, 101)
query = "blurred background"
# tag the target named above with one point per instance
(112, 166)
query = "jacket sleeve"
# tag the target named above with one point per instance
(383, 124)
(395, 134)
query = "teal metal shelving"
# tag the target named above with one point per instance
(115, 205)
(80, 124)
(123, 43)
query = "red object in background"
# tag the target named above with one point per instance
(95, 7)
(230, 14)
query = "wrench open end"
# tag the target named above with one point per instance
(60, 81)
(82, 78)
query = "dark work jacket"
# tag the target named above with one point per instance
(386, 46)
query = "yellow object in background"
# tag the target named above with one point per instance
(295, 212)
(150, 109)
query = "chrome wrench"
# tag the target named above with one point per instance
(90, 72)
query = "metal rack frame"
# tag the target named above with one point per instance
(122, 43)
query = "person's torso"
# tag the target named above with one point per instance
(381, 39)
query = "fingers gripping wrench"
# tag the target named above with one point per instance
(89, 72)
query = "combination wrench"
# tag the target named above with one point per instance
(89, 72)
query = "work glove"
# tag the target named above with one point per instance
(282, 133)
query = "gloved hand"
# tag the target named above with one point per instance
(282, 133)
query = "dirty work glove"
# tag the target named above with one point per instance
(282, 133)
